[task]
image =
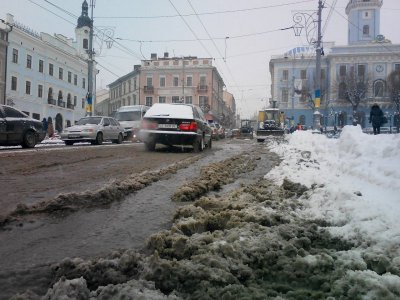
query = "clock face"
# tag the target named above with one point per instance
(379, 68)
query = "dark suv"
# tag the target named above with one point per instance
(17, 128)
(175, 124)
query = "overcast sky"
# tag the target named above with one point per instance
(143, 27)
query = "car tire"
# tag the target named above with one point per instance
(150, 146)
(29, 139)
(210, 144)
(99, 139)
(198, 145)
(119, 139)
(260, 140)
(69, 143)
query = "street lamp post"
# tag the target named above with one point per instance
(306, 21)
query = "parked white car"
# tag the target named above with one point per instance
(94, 129)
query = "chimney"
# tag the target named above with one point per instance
(154, 56)
(136, 67)
(166, 54)
(10, 19)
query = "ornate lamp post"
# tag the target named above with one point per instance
(307, 21)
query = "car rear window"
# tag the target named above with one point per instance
(177, 111)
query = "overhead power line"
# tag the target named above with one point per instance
(205, 13)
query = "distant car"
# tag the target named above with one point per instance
(175, 124)
(130, 117)
(94, 129)
(214, 130)
(221, 131)
(17, 128)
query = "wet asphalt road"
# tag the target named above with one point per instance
(28, 250)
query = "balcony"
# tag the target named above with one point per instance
(51, 101)
(148, 89)
(70, 106)
(61, 103)
(202, 88)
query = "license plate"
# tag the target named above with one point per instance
(71, 136)
(167, 126)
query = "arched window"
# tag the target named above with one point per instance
(379, 88)
(60, 96)
(50, 94)
(85, 44)
(366, 30)
(69, 99)
(342, 90)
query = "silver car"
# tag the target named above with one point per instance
(94, 129)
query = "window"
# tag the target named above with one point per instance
(83, 103)
(361, 70)
(69, 76)
(134, 99)
(13, 83)
(134, 84)
(40, 91)
(124, 88)
(175, 99)
(189, 81)
(285, 74)
(85, 44)
(41, 66)
(303, 74)
(162, 99)
(202, 80)
(60, 73)
(51, 69)
(285, 95)
(13, 113)
(366, 30)
(29, 61)
(129, 86)
(28, 88)
(188, 100)
(342, 70)
(396, 67)
(15, 56)
(379, 88)
(342, 90)
(36, 116)
(149, 81)
(83, 83)
(162, 81)
(176, 81)
(75, 100)
(75, 79)
(203, 103)
(149, 101)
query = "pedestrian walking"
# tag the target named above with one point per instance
(375, 117)
(45, 125)
(50, 127)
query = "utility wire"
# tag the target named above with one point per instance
(207, 13)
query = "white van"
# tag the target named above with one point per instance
(130, 118)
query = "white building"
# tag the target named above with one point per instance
(47, 75)
(362, 67)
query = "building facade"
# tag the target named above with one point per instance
(229, 111)
(172, 80)
(353, 77)
(47, 75)
(3, 63)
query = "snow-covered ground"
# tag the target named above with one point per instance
(357, 188)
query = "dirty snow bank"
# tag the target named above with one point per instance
(357, 184)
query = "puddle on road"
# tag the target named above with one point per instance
(91, 232)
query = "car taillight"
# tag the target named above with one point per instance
(192, 126)
(148, 125)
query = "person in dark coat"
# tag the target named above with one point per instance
(45, 124)
(375, 117)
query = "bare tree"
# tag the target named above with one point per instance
(353, 88)
(393, 82)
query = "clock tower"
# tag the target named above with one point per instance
(363, 20)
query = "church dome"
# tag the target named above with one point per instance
(84, 19)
